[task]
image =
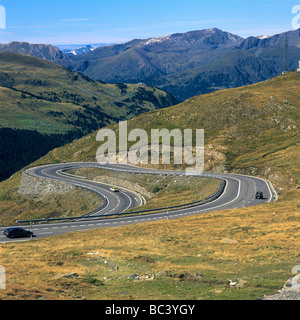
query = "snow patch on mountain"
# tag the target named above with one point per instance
(263, 37)
(81, 50)
(155, 40)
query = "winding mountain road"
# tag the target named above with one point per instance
(239, 192)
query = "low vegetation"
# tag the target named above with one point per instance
(234, 254)
(188, 258)
(50, 105)
(15, 206)
(159, 191)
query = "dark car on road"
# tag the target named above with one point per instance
(17, 233)
(259, 195)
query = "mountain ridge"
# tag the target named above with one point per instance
(203, 57)
(44, 51)
(184, 64)
(141, 59)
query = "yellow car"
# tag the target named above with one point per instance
(114, 189)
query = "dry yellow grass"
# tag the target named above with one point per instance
(177, 252)
(14, 206)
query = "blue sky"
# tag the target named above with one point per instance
(98, 21)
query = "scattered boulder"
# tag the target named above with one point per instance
(238, 284)
(232, 283)
(143, 277)
(72, 275)
(229, 241)
(143, 259)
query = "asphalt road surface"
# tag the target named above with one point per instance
(239, 192)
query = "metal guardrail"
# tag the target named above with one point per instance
(89, 215)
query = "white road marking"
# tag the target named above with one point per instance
(132, 219)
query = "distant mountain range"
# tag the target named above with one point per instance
(155, 57)
(77, 46)
(184, 64)
(48, 51)
(44, 51)
(80, 50)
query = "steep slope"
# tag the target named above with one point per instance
(56, 100)
(44, 51)
(278, 40)
(252, 130)
(193, 63)
(143, 60)
(37, 95)
(252, 61)
(235, 69)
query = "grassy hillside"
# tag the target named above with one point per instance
(253, 130)
(39, 95)
(188, 258)
(57, 106)
(250, 130)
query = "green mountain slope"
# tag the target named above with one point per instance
(37, 95)
(252, 130)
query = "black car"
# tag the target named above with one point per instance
(17, 233)
(259, 195)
